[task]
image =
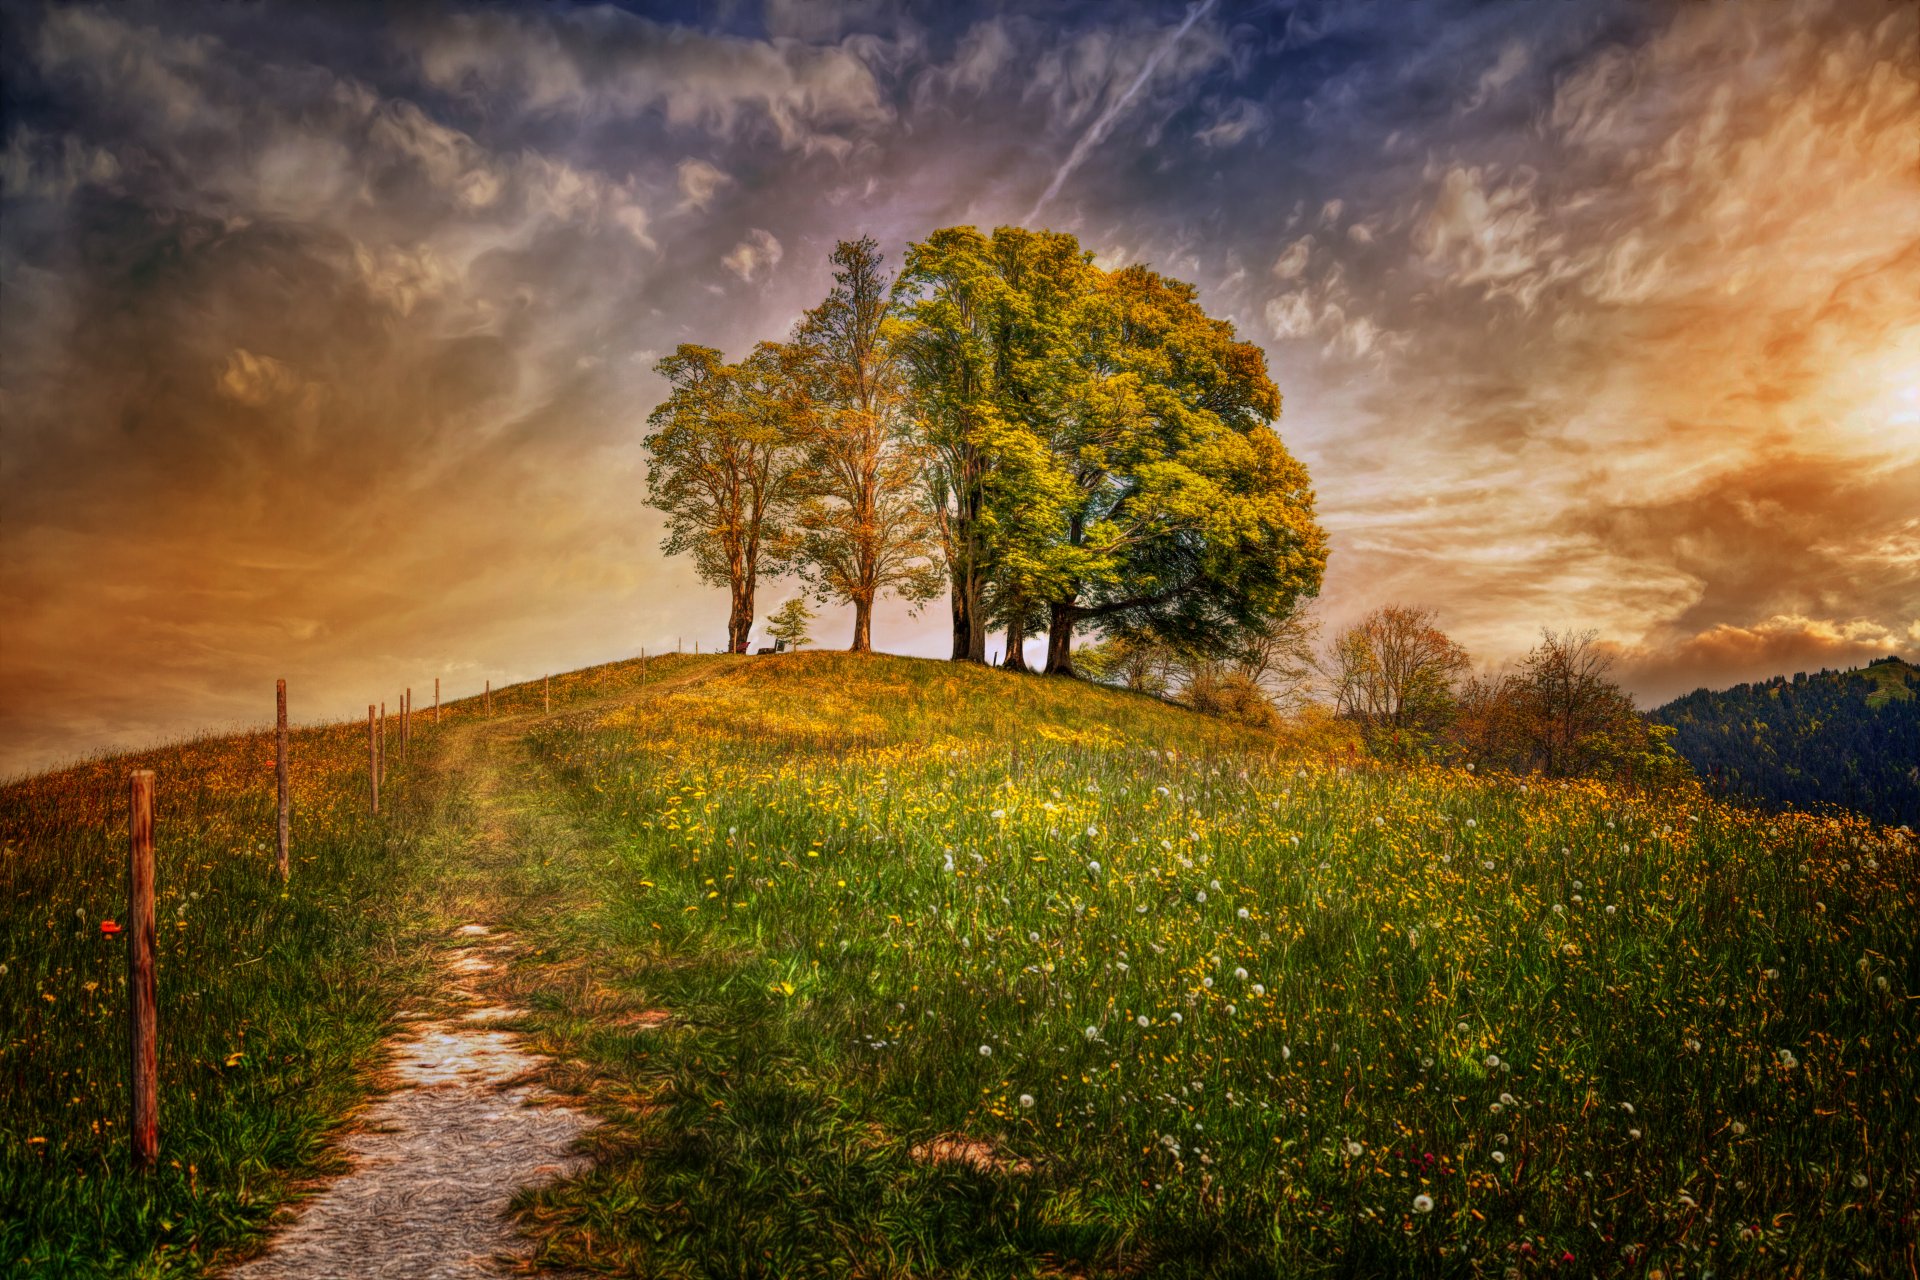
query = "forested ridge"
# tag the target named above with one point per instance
(1847, 738)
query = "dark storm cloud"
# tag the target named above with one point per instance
(328, 331)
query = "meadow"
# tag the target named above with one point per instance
(980, 973)
(877, 966)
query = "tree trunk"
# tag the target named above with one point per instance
(1060, 640)
(862, 626)
(1016, 659)
(969, 620)
(740, 618)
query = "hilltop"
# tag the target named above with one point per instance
(888, 966)
(1849, 738)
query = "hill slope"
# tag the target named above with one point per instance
(1849, 738)
(884, 966)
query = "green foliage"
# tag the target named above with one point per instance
(789, 623)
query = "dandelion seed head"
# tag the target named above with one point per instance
(1423, 1203)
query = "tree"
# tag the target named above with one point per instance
(863, 530)
(1102, 448)
(1558, 714)
(1192, 522)
(788, 625)
(952, 295)
(1394, 674)
(723, 469)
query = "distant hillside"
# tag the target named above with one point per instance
(1849, 738)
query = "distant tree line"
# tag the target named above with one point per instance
(1406, 689)
(1847, 738)
(1063, 449)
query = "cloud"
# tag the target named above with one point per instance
(1780, 645)
(757, 254)
(1233, 124)
(1514, 59)
(699, 181)
(605, 63)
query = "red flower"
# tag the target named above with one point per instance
(109, 928)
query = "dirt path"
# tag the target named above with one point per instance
(437, 1160)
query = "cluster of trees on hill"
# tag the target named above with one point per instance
(1849, 738)
(1407, 688)
(1062, 448)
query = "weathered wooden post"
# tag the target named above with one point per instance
(546, 695)
(436, 699)
(280, 772)
(383, 739)
(373, 759)
(142, 1010)
(489, 697)
(406, 720)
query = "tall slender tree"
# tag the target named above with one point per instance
(724, 454)
(863, 530)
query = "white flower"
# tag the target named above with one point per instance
(1200, 896)
(1243, 913)
(1286, 1052)
(1787, 1059)
(1175, 1018)
(1463, 1028)
(1423, 1204)
(1094, 867)
(1627, 1107)
(1499, 1157)
(1610, 910)
(1092, 830)
(1143, 1020)
(1494, 1107)
(1233, 1009)
(1207, 983)
(1259, 990)
(1739, 1128)
(1093, 1033)
(1493, 1060)
(1507, 1099)
(1770, 974)
(1026, 1102)
(1032, 936)
(1240, 974)
(1470, 821)
(999, 814)
(1860, 1181)
(1634, 1134)
(1353, 1148)
(986, 1051)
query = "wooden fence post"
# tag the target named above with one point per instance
(280, 773)
(546, 695)
(436, 699)
(383, 739)
(489, 697)
(142, 1009)
(373, 759)
(406, 720)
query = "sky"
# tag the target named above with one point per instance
(327, 333)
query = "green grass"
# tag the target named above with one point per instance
(272, 1002)
(745, 948)
(763, 851)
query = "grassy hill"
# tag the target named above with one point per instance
(1849, 738)
(884, 966)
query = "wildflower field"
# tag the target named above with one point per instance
(272, 998)
(978, 973)
(877, 966)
